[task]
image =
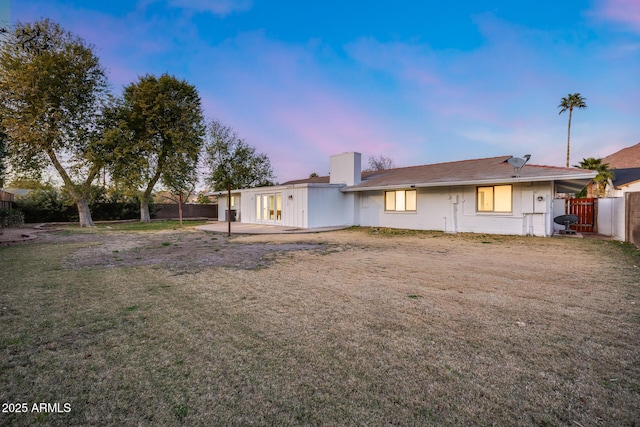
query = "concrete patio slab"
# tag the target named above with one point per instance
(242, 228)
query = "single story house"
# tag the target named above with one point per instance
(625, 180)
(480, 196)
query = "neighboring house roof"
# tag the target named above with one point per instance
(626, 158)
(625, 176)
(476, 171)
(20, 192)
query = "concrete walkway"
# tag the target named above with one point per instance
(242, 228)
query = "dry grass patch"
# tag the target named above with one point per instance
(343, 328)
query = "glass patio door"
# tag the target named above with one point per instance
(269, 207)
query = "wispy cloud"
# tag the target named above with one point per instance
(625, 12)
(282, 99)
(217, 7)
(301, 101)
(414, 63)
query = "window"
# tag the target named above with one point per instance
(496, 198)
(400, 201)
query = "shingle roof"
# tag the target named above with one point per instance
(314, 180)
(626, 158)
(323, 179)
(494, 169)
(625, 176)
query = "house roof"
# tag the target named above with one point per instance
(314, 180)
(325, 179)
(626, 158)
(477, 171)
(493, 170)
(625, 176)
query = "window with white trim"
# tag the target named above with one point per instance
(494, 198)
(400, 201)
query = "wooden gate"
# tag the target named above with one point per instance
(587, 211)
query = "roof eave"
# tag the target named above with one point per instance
(586, 177)
(276, 188)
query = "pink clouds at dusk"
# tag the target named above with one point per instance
(626, 12)
(421, 82)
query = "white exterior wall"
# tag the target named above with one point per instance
(303, 205)
(559, 208)
(330, 207)
(453, 210)
(633, 186)
(294, 205)
(223, 206)
(611, 217)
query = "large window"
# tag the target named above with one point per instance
(400, 201)
(496, 198)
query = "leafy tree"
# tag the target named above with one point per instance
(232, 161)
(181, 185)
(51, 91)
(203, 199)
(156, 132)
(380, 162)
(570, 102)
(604, 174)
(313, 175)
(28, 184)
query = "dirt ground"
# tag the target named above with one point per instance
(359, 326)
(186, 250)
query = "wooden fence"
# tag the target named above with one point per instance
(170, 210)
(6, 200)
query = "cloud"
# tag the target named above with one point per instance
(409, 62)
(217, 7)
(626, 12)
(300, 102)
(284, 99)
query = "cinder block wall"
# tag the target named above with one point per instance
(633, 217)
(170, 210)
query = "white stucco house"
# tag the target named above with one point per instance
(479, 196)
(625, 180)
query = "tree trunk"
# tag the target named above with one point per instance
(146, 196)
(569, 134)
(180, 209)
(84, 213)
(144, 211)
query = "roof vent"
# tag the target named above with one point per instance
(518, 164)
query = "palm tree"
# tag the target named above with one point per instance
(570, 102)
(604, 173)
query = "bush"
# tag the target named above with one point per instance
(11, 218)
(51, 205)
(44, 205)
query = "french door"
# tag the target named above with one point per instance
(269, 207)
